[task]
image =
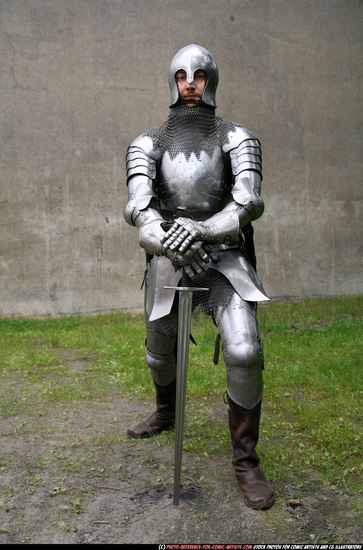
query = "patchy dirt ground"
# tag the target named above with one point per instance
(71, 476)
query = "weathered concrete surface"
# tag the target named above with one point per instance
(81, 78)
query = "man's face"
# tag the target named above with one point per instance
(191, 91)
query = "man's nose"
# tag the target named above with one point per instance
(191, 84)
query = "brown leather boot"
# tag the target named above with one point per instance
(244, 428)
(164, 416)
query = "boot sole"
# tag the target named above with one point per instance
(145, 435)
(263, 506)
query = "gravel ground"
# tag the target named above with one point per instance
(72, 476)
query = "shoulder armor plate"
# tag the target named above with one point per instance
(236, 136)
(247, 156)
(141, 157)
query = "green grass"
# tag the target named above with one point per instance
(312, 403)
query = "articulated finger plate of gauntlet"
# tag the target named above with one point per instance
(195, 260)
(183, 233)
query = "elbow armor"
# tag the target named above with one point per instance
(141, 194)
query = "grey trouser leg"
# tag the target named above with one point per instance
(242, 352)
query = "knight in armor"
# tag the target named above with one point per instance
(194, 188)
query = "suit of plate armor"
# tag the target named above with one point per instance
(194, 187)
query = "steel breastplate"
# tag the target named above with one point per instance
(192, 169)
(200, 184)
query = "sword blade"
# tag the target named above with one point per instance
(184, 320)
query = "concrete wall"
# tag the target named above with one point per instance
(81, 78)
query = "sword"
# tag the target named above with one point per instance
(184, 320)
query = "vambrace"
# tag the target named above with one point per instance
(138, 210)
(246, 163)
(246, 195)
(247, 204)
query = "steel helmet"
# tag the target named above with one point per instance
(190, 59)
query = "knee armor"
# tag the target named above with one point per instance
(244, 362)
(162, 367)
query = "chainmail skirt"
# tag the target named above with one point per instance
(212, 302)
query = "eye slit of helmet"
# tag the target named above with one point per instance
(200, 75)
(181, 75)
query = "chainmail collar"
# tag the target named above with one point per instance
(188, 130)
(191, 130)
(194, 113)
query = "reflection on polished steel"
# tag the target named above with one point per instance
(184, 318)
